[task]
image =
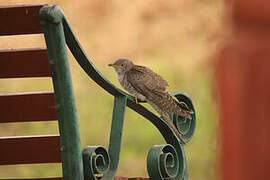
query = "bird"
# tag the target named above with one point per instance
(146, 85)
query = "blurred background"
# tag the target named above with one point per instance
(176, 38)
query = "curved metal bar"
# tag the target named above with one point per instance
(119, 108)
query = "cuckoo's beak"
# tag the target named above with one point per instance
(114, 65)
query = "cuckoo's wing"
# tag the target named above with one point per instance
(145, 81)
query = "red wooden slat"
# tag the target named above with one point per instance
(32, 62)
(30, 150)
(24, 107)
(36, 179)
(20, 19)
(116, 178)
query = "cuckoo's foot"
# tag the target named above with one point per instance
(136, 99)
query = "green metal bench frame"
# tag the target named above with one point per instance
(163, 161)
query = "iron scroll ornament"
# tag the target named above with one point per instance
(171, 156)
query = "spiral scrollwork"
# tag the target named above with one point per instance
(96, 161)
(184, 125)
(162, 162)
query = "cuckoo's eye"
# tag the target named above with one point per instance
(122, 65)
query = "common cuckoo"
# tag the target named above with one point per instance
(146, 85)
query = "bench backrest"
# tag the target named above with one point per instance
(37, 106)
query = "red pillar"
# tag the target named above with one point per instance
(243, 84)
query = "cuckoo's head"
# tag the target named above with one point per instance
(122, 65)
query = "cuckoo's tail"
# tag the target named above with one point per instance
(165, 102)
(182, 109)
(175, 130)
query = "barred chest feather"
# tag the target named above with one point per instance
(122, 78)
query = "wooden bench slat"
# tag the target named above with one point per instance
(36, 179)
(20, 19)
(26, 107)
(16, 63)
(30, 150)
